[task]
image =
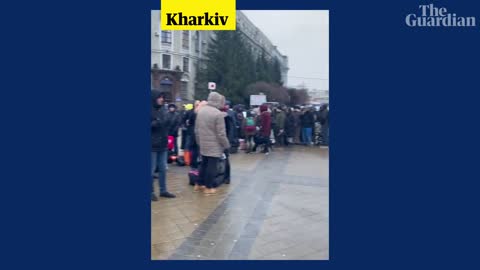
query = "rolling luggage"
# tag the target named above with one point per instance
(221, 166)
(193, 176)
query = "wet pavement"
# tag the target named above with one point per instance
(276, 208)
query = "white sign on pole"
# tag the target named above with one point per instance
(257, 100)
(212, 86)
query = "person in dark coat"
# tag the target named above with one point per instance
(279, 131)
(231, 131)
(240, 118)
(297, 125)
(233, 115)
(190, 141)
(160, 125)
(249, 129)
(308, 123)
(234, 135)
(289, 127)
(182, 115)
(273, 117)
(175, 123)
(264, 123)
(324, 121)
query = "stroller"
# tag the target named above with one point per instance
(172, 157)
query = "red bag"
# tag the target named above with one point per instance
(170, 143)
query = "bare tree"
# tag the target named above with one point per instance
(298, 96)
(274, 92)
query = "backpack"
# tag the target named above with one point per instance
(250, 121)
(250, 124)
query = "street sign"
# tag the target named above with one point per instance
(257, 100)
(212, 86)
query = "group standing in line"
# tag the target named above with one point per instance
(211, 130)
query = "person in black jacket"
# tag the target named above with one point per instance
(160, 125)
(191, 144)
(182, 115)
(289, 127)
(324, 121)
(175, 123)
(308, 123)
(231, 127)
(230, 130)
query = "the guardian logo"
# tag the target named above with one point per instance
(431, 16)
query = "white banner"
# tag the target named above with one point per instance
(257, 100)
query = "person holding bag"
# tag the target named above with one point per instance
(264, 122)
(212, 138)
(249, 128)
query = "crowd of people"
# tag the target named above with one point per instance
(211, 130)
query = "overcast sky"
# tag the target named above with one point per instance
(302, 35)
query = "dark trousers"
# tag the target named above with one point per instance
(249, 142)
(175, 145)
(286, 138)
(195, 153)
(183, 139)
(297, 137)
(280, 138)
(325, 134)
(265, 141)
(208, 171)
(192, 146)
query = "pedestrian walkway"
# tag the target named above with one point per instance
(276, 208)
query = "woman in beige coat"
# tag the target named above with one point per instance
(212, 139)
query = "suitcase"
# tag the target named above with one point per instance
(219, 179)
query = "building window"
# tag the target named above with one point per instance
(184, 91)
(197, 41)
(186, 64)
(167, 37)
(166, 61)
(186, 40)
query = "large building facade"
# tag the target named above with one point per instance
(260, 43)
(176, 55)
(174, 58)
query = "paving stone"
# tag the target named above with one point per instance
(272, 210)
